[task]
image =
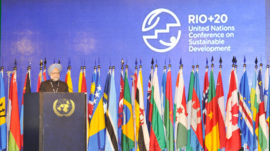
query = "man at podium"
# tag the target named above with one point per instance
(54, 84)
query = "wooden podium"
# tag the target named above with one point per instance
(55, 122)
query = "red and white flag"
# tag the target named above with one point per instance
(84, 87)
(233, 139)
(39, 80)
(14, 141)
(221, 111)
(44, 74)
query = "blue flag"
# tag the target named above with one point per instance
(268, 112)
(3, 125)
(96, 140)
(106, 92)
(196, 131)
(91, 100)
(111, 123)
(92, 95)
(253, 110)
(245, 114)
(163, 90)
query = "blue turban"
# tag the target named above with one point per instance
(53, 66)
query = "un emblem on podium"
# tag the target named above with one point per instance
(63, 107)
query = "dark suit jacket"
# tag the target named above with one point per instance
(47, 87)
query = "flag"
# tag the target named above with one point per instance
(111, 118)
(136, 107)
(265, 92)
(97, 131)
(221, 110)
(168, 113)
(212, 129)
(143, 135)
(163, 91)
(14, 142)
(149, 91)
(40, 79)
(266, 87)
(80, 81)
(106, 92)
(253, 95)
(205, 98)
(44, 74)
(120, 110)
(127, 141)
(26, 89)
(157, 137)
(8, 114)
(233, 140)
(196, 131)
(204, 102)
(92, 95)
(189, 105)
(91, 101)
(3, 124)
(68, 80)
(246, 123)
(268, 114)
(253, 104)
(260, 126)
(84, 87)
(180, 112)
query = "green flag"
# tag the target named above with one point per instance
(189, 104)
(180, 112)
(128, 124)
(168, 114)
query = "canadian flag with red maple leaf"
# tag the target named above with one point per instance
(233, 139)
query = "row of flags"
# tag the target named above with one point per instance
(194, 122)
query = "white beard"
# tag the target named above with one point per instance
(54, 79)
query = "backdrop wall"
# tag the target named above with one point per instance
(112, 30)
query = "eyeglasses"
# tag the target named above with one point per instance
(55, 73)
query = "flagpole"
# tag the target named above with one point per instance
(162, 104)
(204, 123)
(169, 68)
(8, 116)
(69, 71)
(44, 69)
(235, 71)
(220, 69)
(181, 68)
(266, 107)
(240, 82)
(40, 74)
(244, 64)
(134, 114)
(212, 67)
(29, 71)
(197, 70)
